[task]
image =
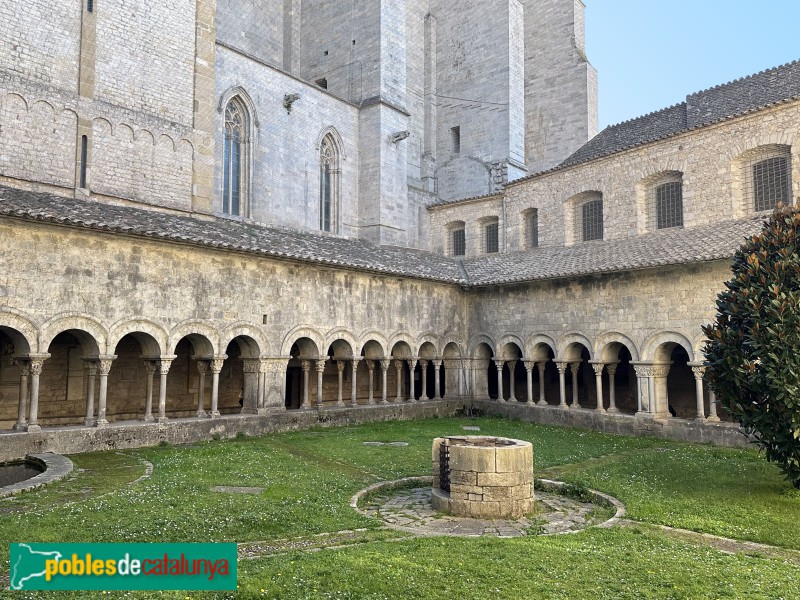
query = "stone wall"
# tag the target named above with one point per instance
(254, 26)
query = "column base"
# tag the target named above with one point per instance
(541, 403)
(101, 423)
(644, 415)
(563, 407)
(714, 419)
(148, 418)
(600, 410)
(423, 398)
(340, 404)
(575, 406)
(214, 414)
(612, 409)
(21, 426)
(162, 419)
(32, 428)
(201, 414)
(512, 399)
(89, 422)
(700, 420)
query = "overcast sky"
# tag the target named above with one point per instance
(650, 54)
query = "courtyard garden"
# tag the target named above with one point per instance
(702, 521)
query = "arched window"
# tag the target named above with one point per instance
(765, 178)
(456, 238)
(591, 219)
(665, 200)
(491, 235)
(328, 184)
(234, 160)
(530, 223)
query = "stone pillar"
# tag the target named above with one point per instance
(202, 367)
(562, 386)
(104, 367)
(574, 367)
(542, 365)
(529, 365)
(612, 388)
(164, 363)
(340, 369)
(398, 364)
(24, 374)
(642, 372)
(251, 373)
(320, 364)
(437, 379)
(423, 370)
(660, 408)
(371, 369)
(412, 365)
(354, 385)
(216, 368)
(149, 369)
(263, 367)
(699, 371)
(712, 407)
(598, 375)
(499, 364)
(91, 374)
(273, 374)
(36, 363)
(385, 362)
(512, 367)
(306, 366)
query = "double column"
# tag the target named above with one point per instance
(30, 369)
(656, 404)
(699, 370)
(573, 366)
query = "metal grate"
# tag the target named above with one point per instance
(444, 467)
(771, 183)
(492, 239)
(459, 242)
(592, 220)
(669, 205)
(532, 228)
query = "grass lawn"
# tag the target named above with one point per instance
(309, 476)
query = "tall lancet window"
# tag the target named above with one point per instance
(327, 184)
(235, 139)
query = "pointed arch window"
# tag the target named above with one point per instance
(328, 184)
(234, 177)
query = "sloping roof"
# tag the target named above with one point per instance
(666, 247)
(230, 234)
(772, 86)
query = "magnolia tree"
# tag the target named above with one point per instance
(753, 351)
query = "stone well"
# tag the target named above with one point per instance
(482, 477)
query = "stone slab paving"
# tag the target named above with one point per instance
(236, 489)
(410, 510)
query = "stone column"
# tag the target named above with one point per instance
(562, 386)
(437, 379)
(699, 371)
(24, 373)
(385, 369)
(574, 367)
(398, 364)
(423, 370)
(36, 363)
(598, 376)
(354, 385)
(164, 363)
(320, 365)
(642, 372)
(202, 367)
(104, 367)
(251, 373)
(499, 364)
(371, 369)
(149, 369)
(263, 367)
(612, 389)
(712, 407)
(412, 365)
(542, 365)
(91, 374)
(512, 369)
(340, 369)
(216, 368)
(306, 365)
(529, 365)
(660, 406)
(272, 398)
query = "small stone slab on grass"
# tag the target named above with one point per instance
(471, 428)
(232, 489)
(386, 443)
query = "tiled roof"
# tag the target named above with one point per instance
(662, 248)
(725, 101)
(231, 235)
(667, 247)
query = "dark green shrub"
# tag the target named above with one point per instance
(753, 352)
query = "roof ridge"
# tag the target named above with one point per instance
(644, 116)
(743, 78)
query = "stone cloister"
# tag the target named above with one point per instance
(64, 374)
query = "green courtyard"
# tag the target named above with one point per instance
(299, 537)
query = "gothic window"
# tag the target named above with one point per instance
(591, 219)
(234, 161)
(531, 223)
(491, 236)
(328, 171)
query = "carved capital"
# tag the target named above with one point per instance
(320, 365)
(412, 362)
(437, 363)
(562, 367)
(661, 370)
(598, 368)
(529, 364)
(643, 370)
(202, 366)
(36, 366)
(371, 365)
(216, 363)
(699, 372)
(104, 366)
(150, 366)
(398, 364)
(499, 364)
(23, 365)
(575, 367)
(340, 365)
(385, 364)
(251, 365)
(164, 365)
(305, 365)
(423, 363)
(612, 368)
